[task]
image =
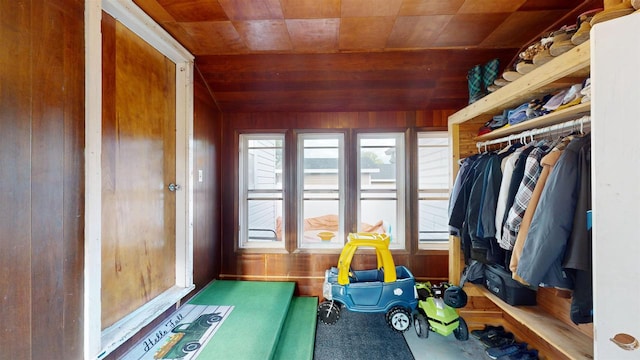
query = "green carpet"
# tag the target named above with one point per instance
(252, 329)
(298, 334)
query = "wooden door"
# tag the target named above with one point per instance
(138, 162)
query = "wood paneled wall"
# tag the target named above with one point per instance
(307, 269)
(41, 179)
(206, 194)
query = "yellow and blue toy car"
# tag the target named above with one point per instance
(386, 289)
(436, 311)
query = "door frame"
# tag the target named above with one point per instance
(97, 342)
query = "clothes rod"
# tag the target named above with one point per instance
(576, 123)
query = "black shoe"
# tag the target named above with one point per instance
(480, 333)
(496, 339)
(502, 351)
(521, 355)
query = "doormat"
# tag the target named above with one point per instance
(181, 336)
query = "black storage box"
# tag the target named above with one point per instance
(499, 282)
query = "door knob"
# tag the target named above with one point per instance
(173, 187)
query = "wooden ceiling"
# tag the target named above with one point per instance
(352, 55)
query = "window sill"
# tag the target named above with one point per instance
(330, 251)
(441, 252)
(434, 245)
(256, 250)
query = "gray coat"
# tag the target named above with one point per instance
(552, 223)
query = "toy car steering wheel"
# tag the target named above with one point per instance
(352, 274)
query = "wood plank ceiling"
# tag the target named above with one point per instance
(352, 55)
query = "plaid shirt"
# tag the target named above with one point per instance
(523, 195)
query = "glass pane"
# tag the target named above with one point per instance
(321, 219)
(378, 216)
(378, 142)
(433, 221)
(321, 222)
(433, 139)
(321, 143)
(264, 168)
(265, 220)
(321, 162)
(378, 163)
(433, 163)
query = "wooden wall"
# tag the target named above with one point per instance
(307, 269)
(41, 179)
(206, 194)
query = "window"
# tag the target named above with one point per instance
(378, 181)
(433, 190)
(381, 184)
(261, 224)
(321, 190)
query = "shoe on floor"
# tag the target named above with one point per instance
(481, 332)
(496, 352)
(521, 355)
(497, 339)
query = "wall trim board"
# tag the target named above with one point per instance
(97, 342)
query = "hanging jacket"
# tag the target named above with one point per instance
(461, 178)
(552, 223)
(577, 260)
(458, 211)
(547, 163)
(487, 223)
(521, 200)
(501, 203)
(516, 178)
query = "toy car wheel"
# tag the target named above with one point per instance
(399, 319)
(192, 346)
(462, 332)
(421, 326)
(328, 312)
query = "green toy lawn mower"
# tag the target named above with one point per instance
(436, 311)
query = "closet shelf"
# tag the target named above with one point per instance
(555, 336)
(573, 344)
(561, 72)
(556, 117)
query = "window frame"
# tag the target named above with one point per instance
(402, 167)
(301, 136)
(431, 244)
(243, 195)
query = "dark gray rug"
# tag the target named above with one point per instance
(360, 336)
